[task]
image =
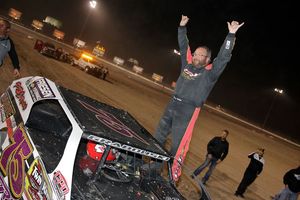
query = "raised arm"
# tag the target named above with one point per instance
(225, 51)
(183, 41)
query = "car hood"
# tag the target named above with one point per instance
(112, 126)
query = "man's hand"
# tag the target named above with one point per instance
(218, 161)
(16, 73)
(184, 20)
(234, 26)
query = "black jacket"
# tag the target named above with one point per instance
(256, 164)
(292, 179)
(218, 148)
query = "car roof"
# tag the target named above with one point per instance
(103, 123)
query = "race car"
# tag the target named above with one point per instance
(59, 144)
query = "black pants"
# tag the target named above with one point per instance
(249, 177)
(175, 120)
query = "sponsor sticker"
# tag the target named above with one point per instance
(227, 46)
(6, 107)
(61, 184)
(37, 185)
(40, 89)
(20, 95)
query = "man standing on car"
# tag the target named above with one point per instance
(193, 86)
(217, 150)
(7, 47)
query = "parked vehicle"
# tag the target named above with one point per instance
(48, 49)
(85, 62)
(58, 144)
(45, 48)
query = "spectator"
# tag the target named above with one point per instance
(254, 168)
(7, 47)
(217, 150)
(291, 180)
(104, 73)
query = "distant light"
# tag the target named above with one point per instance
(93, 4)
(278, 90)
(176, 52)
(87, 56)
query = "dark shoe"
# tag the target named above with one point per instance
(193, 176)
(239, 195)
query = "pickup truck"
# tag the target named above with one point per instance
(85, 62)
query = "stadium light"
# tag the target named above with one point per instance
(277, 92)
(93, 5)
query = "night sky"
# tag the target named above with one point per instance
(264, 56)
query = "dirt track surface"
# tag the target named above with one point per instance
(147, 104)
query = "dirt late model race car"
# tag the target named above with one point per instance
(59, 144)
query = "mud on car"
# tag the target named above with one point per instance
(59, 144)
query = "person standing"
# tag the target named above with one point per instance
(196, 80)
(217, 150)
(7, 47)
(291, 180)
(254, 168)
(105, 73)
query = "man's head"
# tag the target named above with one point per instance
(201, 56)
(224, 135)
(4, 27)
(260, 151)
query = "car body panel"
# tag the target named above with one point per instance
(44, 130)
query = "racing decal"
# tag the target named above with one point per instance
(39, 89)
(2, 113)
(20, 95)
(4, 190)
(190, 75)
(112, 122)
(60, 182)
(37, 185)
(6, 107)
(127, 147)
(10, 124)
(184, 147)
(12, 161)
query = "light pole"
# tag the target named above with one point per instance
(276, 93)
(93, 5)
